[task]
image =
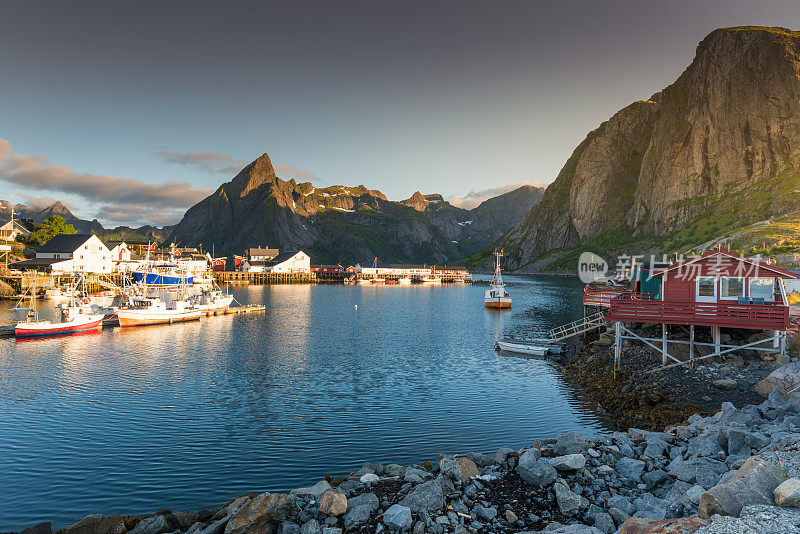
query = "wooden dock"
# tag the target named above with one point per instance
(239, 277)
(237, 310)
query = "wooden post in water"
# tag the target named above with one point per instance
(691, 346)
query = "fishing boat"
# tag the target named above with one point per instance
(162, 274)
(404, 281)
(496, 296)
(377, 281)
(72, 321)
(145, 311)
(211, 300)
(61, 293)
(431, 279)
(364, 281)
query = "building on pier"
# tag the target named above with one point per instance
(712, 291)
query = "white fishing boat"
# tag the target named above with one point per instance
(431, 279)
(364, 281)
(144, 311)
(211, 300)
(61, 293)
(404, 281)
(496, 296)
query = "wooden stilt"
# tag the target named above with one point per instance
(664, 344)
(691, 346)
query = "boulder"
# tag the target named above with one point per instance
(785, 377)
(311, 527)
(534, 471)
(41, 528)
(646, 525)
(630, 468)
(569, 503)
(157, 524)
(260, 512)
(369, 478)
(97, 524)
(333, 503)
(427, 496)
(480, 459)
(703, 471)
(313, 492)
(568, 462)
(570, 443)
(753, 483)
(287, 527)
(485, 513)
(360, 508)
(725, 383)
(398, 517)
(468, 468)
(787, 494)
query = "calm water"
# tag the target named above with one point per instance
(189, 416)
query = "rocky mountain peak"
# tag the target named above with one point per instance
(256, 174)
(420, 202)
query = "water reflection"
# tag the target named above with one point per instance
(187, 416)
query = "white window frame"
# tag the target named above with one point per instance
(712, 298)
(772, 295)
(745, 287)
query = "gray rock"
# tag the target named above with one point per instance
(534, 471)
(703, 471)
(480, 459)
(695, 493)
(787, 494)
(425, 496)
(152, 525)
(369, 500)
(604, 523)
(217, 527)
(656, 448)
(630, 468)
(311, 527)
(753, 483)
(398, 517)
(648, 505)
(331, 530)
(393, 470)
(485, 513)
(356, 515)
(618, 516)
(314, 492)
(568, 462)
(41, 528)
(621, 503)
(501, 455)
(725, 383)
(97, 524)
(570, 443)
(569, 503)
(287, 527)
(654, 478)
(756, 519)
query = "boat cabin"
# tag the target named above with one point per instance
(718, 289)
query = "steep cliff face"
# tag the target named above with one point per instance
(346, 224)
(719, 147)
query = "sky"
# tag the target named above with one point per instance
(132, 112)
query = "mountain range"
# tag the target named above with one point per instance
(717, 150)
(38, 215)
(345, 224)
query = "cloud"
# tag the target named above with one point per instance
(144, 200)
(300, 175)
(474, 198)
(128, 215)
(39, 203)
(210, 162)
(5, 148)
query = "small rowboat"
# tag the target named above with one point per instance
(533, 347)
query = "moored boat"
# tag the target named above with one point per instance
(162, 274)
(211, 300)
(431, 280)
(404, 281)
(496, 296)
(145, 311)
(72, 320)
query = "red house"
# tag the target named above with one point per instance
(718, 289)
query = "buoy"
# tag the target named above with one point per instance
(356, 307)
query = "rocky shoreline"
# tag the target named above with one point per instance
(720, 473)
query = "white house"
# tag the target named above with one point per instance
(286, 262)
(14, 228)
(71, 254)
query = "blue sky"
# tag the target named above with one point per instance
(447, 97)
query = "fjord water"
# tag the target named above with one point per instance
(189, 416)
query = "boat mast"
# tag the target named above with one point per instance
(498, 278)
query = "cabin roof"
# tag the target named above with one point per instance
(737, 257)
(65, 243)
(282, 257)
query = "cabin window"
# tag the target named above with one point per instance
(731, 287)
(762, 288)
(706, 289)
